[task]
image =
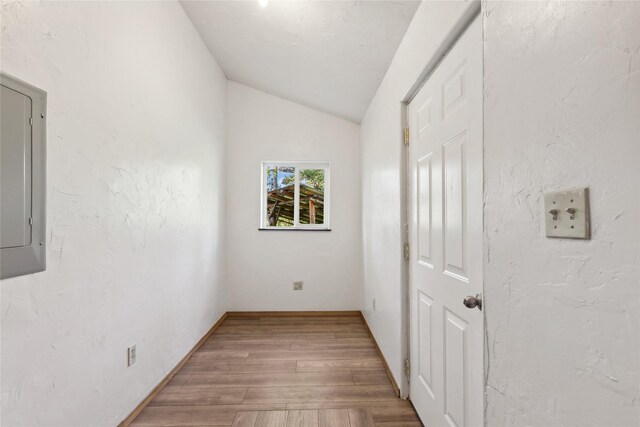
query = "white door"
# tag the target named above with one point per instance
(445, 188)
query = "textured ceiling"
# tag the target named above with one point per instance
(328, 55)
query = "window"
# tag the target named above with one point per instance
(295, 195)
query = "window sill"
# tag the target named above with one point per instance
(292, 229)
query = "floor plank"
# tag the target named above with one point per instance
(299, 418)
(255, 407)
(361, 377)
(319, 394)
(247, 345)
(274, 337)
(262, 379)
(399, 424)
(360, 417)
(245, 419)
(313, 354)
(163, 416)
(271, 419)
(220, 354)
(312, 323)
(197, 366)
(404, 413)
(175, 396)
(282, 371)
(333, 418)
(397, 403)
(342, 335)
(289, 329)
(337, 365)
(178, 380)
(345, 344)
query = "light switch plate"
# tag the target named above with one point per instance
(566, 214)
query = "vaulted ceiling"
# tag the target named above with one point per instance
(328, 55)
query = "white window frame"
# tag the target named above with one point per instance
(298, 165)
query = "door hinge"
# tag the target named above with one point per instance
(407, 368)
(406, 136)
(30, 121)
(30, 221)
(407, 251)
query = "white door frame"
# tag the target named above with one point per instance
(456, 32)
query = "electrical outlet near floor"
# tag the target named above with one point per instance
(297, 286)
(131, 355)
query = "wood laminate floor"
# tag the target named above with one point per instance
(282, 371)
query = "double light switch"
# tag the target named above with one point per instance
(567, 214)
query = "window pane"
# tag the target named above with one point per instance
(311, 196)
(280, 196)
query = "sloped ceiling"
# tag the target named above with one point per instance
(328, 55)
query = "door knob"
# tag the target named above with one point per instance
(473, 302)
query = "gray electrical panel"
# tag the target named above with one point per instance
(22, 178)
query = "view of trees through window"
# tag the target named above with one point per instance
(282, 196)
(311, 196)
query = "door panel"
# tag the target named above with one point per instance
(424, 367)
(454, 206)
(15, 170)
(455, 348)
(454, 91)
(424, 210)
(445, 188)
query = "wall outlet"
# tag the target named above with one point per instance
(297, 286)
(374, 304)
(131, 355)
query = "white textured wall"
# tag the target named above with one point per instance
(262, 265)
(383, 162)
(135, 193)
(562, 110)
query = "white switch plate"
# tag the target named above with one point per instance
(566, 214)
